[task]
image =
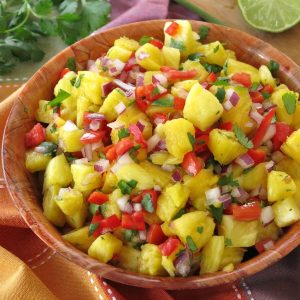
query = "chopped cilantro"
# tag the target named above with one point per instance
(212, 68)
(177, 44)
(145, 39)
(254, 86)
(61, 96)
(129, 234)
(102, 155)
(195, 56)
(273, 66)
(227, 180)
(225, 67)
(93, 208)
(191, 139)
(289, 100)
(133, 152)
(191, 244)
(127, 187)
(167, 101)
(266, 95)
(78, 81)
(216, 49)
(200, 229)
(122, 133)
(179, 213)
(223, 82)
(242, 138)
(69, 157)
(48, 146)
(228, 242)
(147, 203)
(203, 32)
(53, 128)
(217, 212)
(247, 170)
(92, 228)
(220, 94)
(71, 64)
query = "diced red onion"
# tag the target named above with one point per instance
(267, 104)
(88, 136)
(137, 207)
(268, 245)
(80, 161)
(182, 263)
(266, 215)
(240, 194)
(131, 62)
(277, 156)
(205, 84)
(124, 204)
(245, 161)
(91, 66)
(101, 165)
(225, 189)
(143, 55)
(262, 193)
(269, 165)
(212, 195)
(271, 131)
(123, 76)
(168, 168)
(123, 85)
(140, 124)
(227, 105)
(153, 141)
(116, 124)
(115, 67)
(87, 152)
(161, 79)
(226, 169)
(257, 106)
(104, 61)
(157, 188)
(142, 235)
(257, 117)
(95, 116)
(140, 79)
(226, 200)
(95, 125)
(162, 145)
(70, 126)
(120, 107)
(232, 97)
(176, 176)
(97, 145)
(106, 88)
(159, 120)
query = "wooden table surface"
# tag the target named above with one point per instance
(229, 13)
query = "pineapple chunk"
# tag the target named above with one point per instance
(254, 178)
(150, 260)
(212, 255)
(71, 139)
(44, 113)
(69, 201)
(77, 220)
(164, 158)
(184, 36)
(149, 57)
(136, 172)
(214, 53)
(266, 77)
(110, 182)
(161, 177)
(270, 231)
(85, 178)
(79, 238)
(171, 57)
(296, 119)
(83, 105)
(111, 207)
(195, 65)
(172, 199)
(148, 76)
(291, 147)
(65, 83)
(280, 186)
(120, 53)
(168, 265)
(129, 258)
(167, 229)
(105, 247)
(202, 108)
(239, 233)
(231, 255)
(50, 209)
(35, 161)
(286, 212)
(239, 114)
(57, 172)
(188, 224)
(224, 146)
(127, 43)
(177, 137)
(235, 66)
(198, 184)
(281, 112)
(108, 107)
(185, 84)
(230, 54)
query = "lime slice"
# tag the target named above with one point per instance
(271, 15)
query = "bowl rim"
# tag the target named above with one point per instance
(282, 247)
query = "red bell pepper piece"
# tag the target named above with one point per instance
(257, 155)
(192, 164)
(173, 74)
(135, 221)
(201, 143)
(264, 245)
(262, 129)
(256, 97)
(110, 152)
(172, 28)
(138, 136)
(123, 146)
(179, 103)
(157, 43)
(91, 137)
(247, 212)
(160, 118)
(106, 225)
(242, 78)
(169, 246)
(88, 118)
(35, 136)
(267, 89)
(211, 78)
(97, 198)
(142, 104)
(155, 235)
(64, 72)
(136, 198)
(226, 126)
(282, 132)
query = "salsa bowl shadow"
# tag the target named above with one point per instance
(24, 188)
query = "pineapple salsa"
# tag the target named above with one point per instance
(169, 158)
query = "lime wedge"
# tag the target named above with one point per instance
(271, 15)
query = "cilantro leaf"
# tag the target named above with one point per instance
(179, 213)
(191, 139)
(254, 86)
(145, 39)
(167, 101)
(195, 56)
(212, 68)
(266, 95)
(61, 96)
(222, 82)
(122, 133)
(228, 180)
(228, 242)
(71, 64)
(191, 244)
(78, 81)
(92, 228)
(127, 186)
(220, 94)
(177, 44)
(216, 49)
(203, 32)
(129, 234)
(147, 203)
(200, 229)
(242, 138)
(217, 212)
(225, 66)
(273, 66)
(289, 100)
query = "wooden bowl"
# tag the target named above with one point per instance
(23, 186)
